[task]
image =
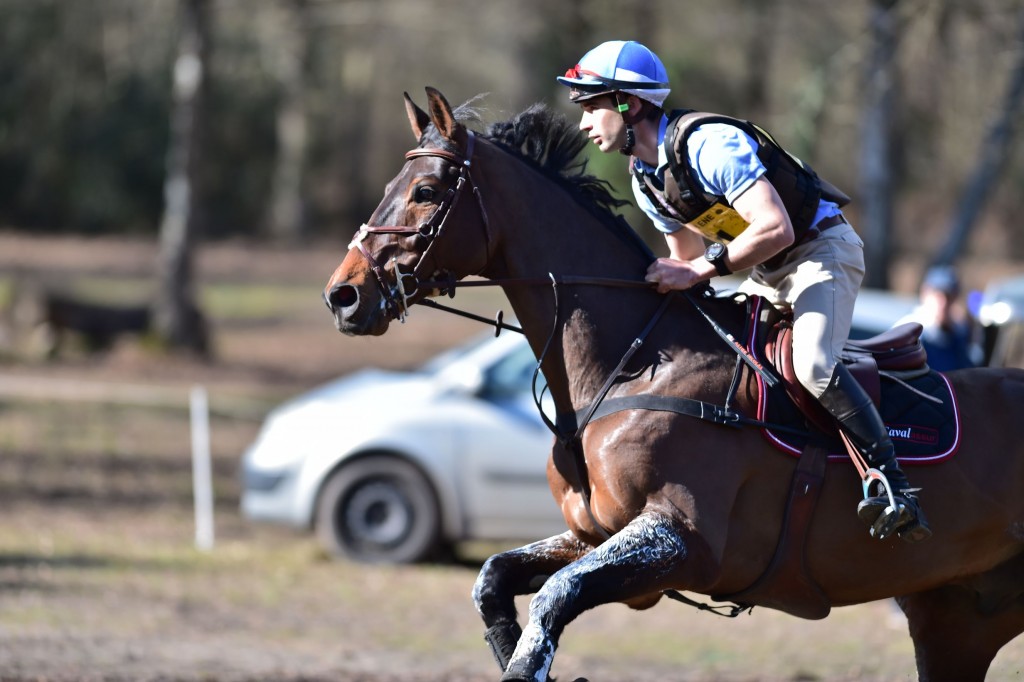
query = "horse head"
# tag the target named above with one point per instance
(406, 239)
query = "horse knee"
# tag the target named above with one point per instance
(521, 571)
(488, 595)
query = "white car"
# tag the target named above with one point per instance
(1001, 316)
(397, 466)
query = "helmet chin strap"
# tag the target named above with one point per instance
(623, 108)
(627, 149)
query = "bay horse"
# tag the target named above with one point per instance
(656, 501)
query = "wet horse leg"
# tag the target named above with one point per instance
(516, 572)
(636, 561)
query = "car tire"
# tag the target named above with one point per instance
(379, 509)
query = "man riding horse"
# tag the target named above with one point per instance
(727, 181)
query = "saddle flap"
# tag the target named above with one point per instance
(864, 369)
(897, 350)
(778, 349)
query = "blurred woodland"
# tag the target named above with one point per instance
(282, 120)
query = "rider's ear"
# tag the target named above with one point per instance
(442, 117)
(418, 119)
(636, 112)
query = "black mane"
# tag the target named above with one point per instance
(552, 144)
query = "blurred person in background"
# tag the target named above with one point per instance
(948, 330)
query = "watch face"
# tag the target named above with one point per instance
(714, 251)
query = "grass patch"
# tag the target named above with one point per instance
(256, 301)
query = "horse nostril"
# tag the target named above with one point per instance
(342, 296)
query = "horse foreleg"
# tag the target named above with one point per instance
(519, 571)
(636, 561)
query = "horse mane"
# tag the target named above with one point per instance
(552, 144)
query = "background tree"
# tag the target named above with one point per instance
(177, 318)
(291, 51)
(995, 152)
(877, 159)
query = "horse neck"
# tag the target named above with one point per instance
(540, 229)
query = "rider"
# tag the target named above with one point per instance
(759, 208)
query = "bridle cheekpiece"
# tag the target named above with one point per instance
(396, 296)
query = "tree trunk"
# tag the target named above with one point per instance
(287, 207)
(763, 29)
(876, 150)
(995, 151)
(177, 318)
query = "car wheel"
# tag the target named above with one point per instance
(379, 509)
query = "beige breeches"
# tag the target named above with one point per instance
(819, 282)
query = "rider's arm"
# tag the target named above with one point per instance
(727, 165)
(770, 230)
(684, 244)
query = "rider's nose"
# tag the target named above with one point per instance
(341, 296)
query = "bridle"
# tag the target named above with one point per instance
(396, 296)
(396, 302)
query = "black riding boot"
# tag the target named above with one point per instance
(847, 401)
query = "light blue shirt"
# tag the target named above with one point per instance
(725, 162)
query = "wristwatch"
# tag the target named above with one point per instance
(715, 254)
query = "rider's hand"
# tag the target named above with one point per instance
(670, 274)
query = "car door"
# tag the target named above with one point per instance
(503, 477)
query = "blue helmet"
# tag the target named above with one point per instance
(618, 65)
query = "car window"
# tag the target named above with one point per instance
(439, 362)
(512, 375)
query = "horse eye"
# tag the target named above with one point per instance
(424, 194)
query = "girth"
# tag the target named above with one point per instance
(785, 583)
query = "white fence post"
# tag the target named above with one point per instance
(202, 470)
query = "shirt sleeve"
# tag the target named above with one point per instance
(662, 223)
(725, 159)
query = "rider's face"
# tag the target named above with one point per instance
(603, 124)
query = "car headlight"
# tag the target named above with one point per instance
(261, 481)
(996, 313)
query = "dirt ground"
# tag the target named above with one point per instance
(100, 579)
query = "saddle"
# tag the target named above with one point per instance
(919, 396)
(916, 403)
(897, 350)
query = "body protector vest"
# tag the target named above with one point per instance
(682, 197)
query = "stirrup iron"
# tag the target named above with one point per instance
(872, 474)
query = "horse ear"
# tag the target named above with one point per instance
(441, 114)
(418, 119)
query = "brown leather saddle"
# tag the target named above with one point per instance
(786, 583)
(896, 350)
